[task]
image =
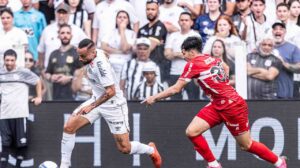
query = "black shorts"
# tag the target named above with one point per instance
(14, 132)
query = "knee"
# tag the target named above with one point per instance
(69, 129)
(245, 146)
(191, 133)
(124, 149)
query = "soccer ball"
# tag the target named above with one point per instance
(48, 164)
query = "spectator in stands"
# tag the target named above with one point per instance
(289, 54)
(292, 30)
(47, 8)
(50, 41)
(80, 85)
(30, 63)
(32, 22)
(140, 6)
(263, 68)
(294, 6)
(168, 14)
(157, 34)
(192, 6)
(87, 5)
(205, 24)
(12, 37)
(226, 31)
(119, 42)
(150, 86)
(62, 64)
(239, 18)
(79, 17)
(14, 107)
(174, 54)
(132, 71)
(256, 25)
(104, 21)
(218, 50)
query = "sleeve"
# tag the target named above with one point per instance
(30, 77)
(296, 55)
(188, 73)
(276, 63)
(104, 72)
(169, 41)
(89, 6)
(197, 23)
(50, 67)
(96, 22)
(41, 46)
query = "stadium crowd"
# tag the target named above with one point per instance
(142, 40)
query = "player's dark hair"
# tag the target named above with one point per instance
(10, 52)
(64, 25)
(86, 43)
(282, 4)
(192, 43)
(186, 13)
(7, 10)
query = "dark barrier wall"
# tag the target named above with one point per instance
(276, 123)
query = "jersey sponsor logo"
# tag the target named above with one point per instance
(218, 73)
(101, 70)
(69, 59)
(268, 63)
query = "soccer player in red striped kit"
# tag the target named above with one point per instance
(226, 105)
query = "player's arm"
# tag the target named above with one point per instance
(176, 88)
(38, 99)
(110, 91)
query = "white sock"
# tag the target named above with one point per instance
(139, 148)
(279, 162)
(67, 146)
(214, 164)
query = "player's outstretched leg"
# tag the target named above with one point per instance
(259, 149)
(68, 139)
(194, 133)
(135, 147)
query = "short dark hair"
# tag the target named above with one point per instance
(10, 52)
(7, 10)
(282, 4)
(186, 13)
(192, 43)
(263, 1)
(64, 25)
(86, 43)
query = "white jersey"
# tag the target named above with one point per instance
(100, 75)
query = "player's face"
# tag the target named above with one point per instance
(142, 52)
(62, 17)
(74, 3)
(10, 62)
(217, 49)
(150, 76)
(185, 22)
(266, 47)
(295, 9)
(7, 21)
(86, 56)
(65, 35)
(151, 11)
(243, 5)
(223, 27)
(278, 34)
(258, 8)
(282, 13)
(187, 55)
(29, 62)
(213, 5)
(122, 17)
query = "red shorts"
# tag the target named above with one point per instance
(235, 116)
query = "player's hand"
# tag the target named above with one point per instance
(86, 109)
(37, 101)
(149, 101)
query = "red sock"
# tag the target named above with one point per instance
(202, 148)
(263, 152)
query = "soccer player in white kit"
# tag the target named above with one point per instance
(107, 102)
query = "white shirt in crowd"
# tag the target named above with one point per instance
(88, 5)
(140, 8)
(170, 14)
(49, 40)
(113, 39)
(100, 75)
(105, 16)
(190, 2)
(174, 42)
(15, 39)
